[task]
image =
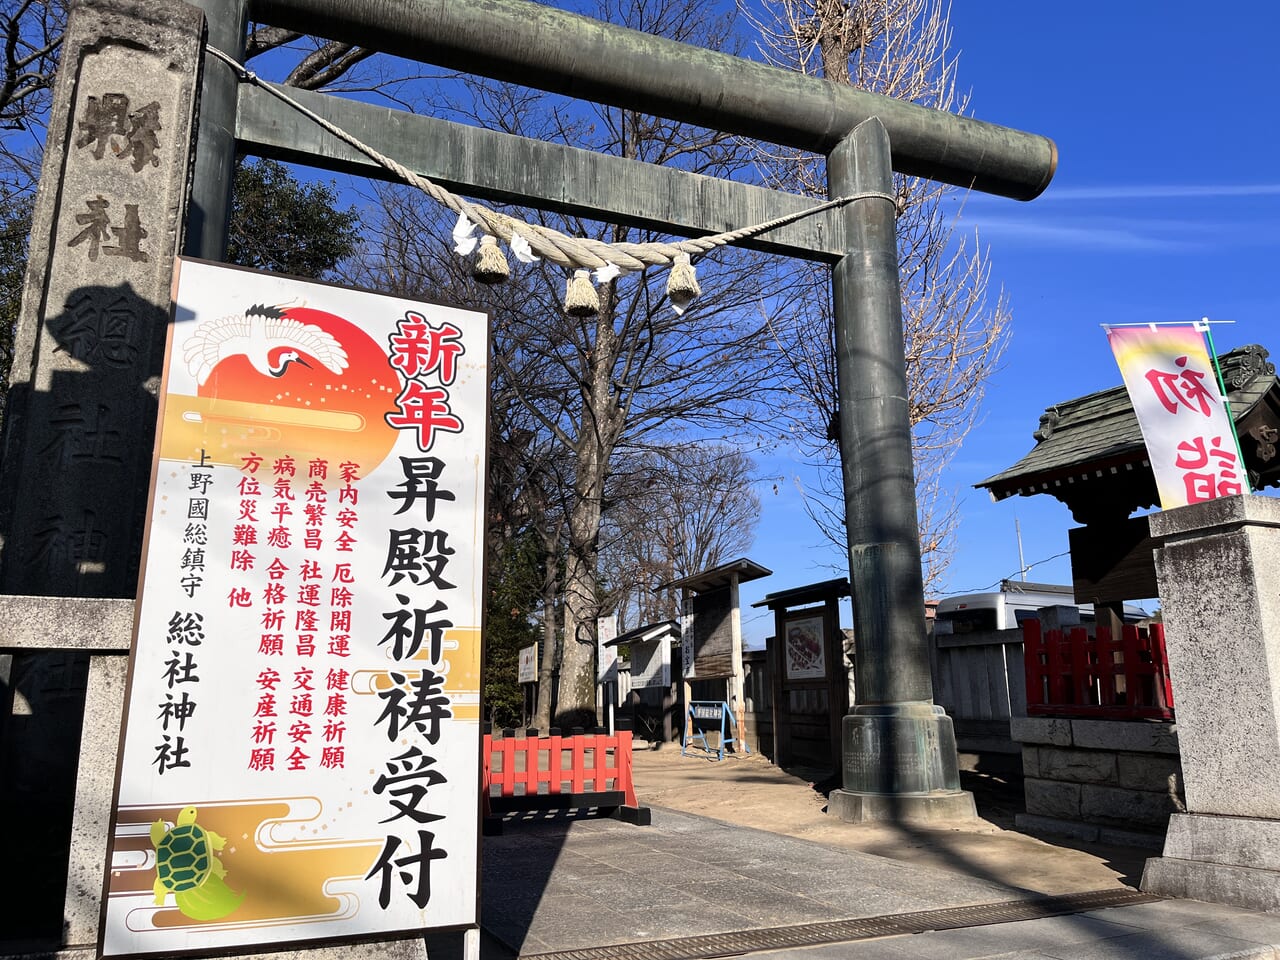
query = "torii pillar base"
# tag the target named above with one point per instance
(900, 765)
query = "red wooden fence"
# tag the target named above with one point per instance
(1076, 674)
(581, 770)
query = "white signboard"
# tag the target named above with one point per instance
(1190, 440)
(301, 749)
(651, 664)
(607, 662)
(528, 668)
(686, 646)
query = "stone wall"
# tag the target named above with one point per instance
(1114, 781)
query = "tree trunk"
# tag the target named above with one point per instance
(546, 665)
(576, 703)
(597, 436)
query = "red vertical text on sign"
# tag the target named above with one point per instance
(1209, 469)
(419, 348)
(1182, 389)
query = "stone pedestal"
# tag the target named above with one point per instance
(900, 764)
(1222, 859)
(1219, 575)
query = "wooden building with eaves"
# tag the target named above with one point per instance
(1090, 455)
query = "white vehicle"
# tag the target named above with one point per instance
(1015, 601)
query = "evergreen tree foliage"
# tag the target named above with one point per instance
(284, 226)
(15, 227)
(514, 584)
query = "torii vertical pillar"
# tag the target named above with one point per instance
(209, 213)
(899, 749)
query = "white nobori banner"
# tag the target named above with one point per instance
(1191, 441)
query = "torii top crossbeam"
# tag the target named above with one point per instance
(549, 49)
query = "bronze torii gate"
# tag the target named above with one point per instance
(91, 329)
(899, 748)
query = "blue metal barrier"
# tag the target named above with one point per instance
(702, 718)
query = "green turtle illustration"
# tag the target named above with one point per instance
(187, 868)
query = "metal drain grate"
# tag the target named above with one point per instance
(840, 931)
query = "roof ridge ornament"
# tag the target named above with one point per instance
(1048, 421)
(1251, 364)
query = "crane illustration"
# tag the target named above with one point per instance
(270, 340)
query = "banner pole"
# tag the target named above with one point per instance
(1204, 327)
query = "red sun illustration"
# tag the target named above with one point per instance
(288, 400)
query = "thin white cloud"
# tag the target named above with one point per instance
(1080, 236)
(1162, 191)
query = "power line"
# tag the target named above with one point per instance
(984, 589)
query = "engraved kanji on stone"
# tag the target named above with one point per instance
(82, 433)
(141, 142)
(69, 542)
(96, 332)
(131, 135)
(97, 226)
(103, 120)
(98, 229)
(129, 237)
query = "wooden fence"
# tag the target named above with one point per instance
(979, 679)
(582, 770)
(1078, 673)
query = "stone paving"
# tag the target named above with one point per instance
(566, 885)
(551, 886)
(1168, 930)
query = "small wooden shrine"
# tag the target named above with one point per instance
(1089, 454)
(711, 633)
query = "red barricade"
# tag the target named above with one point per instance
(582, 770)
(1076, 673)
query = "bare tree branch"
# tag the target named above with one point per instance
(955, 326)
(262, 39)
(631, 379)
(671, 513)
(327, 65)
(32, 38)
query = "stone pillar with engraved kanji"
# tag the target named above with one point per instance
(75, 459)
(89, 348)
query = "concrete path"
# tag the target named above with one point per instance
(690, 886)
(1165, 930)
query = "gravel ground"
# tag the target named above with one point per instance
(750, 791)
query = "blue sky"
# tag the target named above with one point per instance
(1165, 207)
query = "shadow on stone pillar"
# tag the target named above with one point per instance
(1218, 567)
(75, 457)
(899, 748)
